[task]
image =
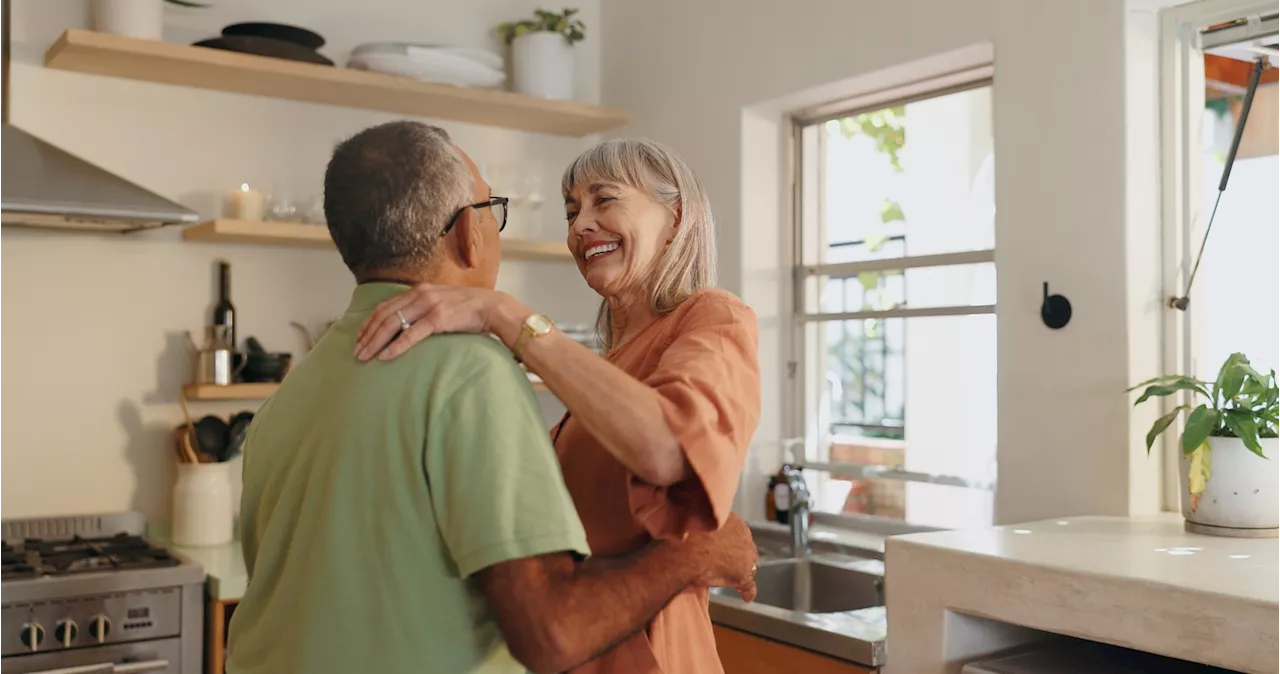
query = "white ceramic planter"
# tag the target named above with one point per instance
(132, 18)
(542, 66)
(1242, 496)
(204, 504)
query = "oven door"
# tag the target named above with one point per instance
(162, 656)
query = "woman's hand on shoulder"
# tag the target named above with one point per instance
(428, 309)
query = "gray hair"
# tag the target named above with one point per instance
(388, 192)
(689, 263)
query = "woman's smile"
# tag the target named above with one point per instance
(595, 251)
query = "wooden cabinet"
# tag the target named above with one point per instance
(742, 653)
(215, 643)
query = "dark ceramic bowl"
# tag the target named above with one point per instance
(266, 367)
(265, 46)
(277, 31)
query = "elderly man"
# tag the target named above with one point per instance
(409, 515)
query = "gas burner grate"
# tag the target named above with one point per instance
(78, 554)
(15, 565)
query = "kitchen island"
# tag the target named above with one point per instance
(1142, 583)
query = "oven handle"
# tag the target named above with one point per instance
(140, 667)
(103, 668)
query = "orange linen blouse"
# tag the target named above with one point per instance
(702, 359)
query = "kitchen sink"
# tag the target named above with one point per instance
(828, 600)
(772, 550)
(815, 586)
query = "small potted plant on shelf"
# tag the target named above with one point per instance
(542, 52)
(134, 18)
(1229, 475)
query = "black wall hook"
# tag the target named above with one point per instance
(1055, 310)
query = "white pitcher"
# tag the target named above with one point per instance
(203, 504)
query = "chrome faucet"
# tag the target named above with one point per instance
(798, 515)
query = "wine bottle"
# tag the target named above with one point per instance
(224, 313)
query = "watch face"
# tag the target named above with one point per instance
(539, 324)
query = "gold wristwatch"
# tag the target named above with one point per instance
(534, 326)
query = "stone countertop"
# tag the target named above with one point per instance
(852, 636)
(225, 573)
(1138, 582)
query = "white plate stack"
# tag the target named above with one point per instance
(459, 66)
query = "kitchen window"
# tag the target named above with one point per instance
(1208, 52)
(893, 360)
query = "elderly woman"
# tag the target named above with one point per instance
(657, 430)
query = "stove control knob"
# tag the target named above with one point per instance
(65, 632)
(99, 628)
(32, 635)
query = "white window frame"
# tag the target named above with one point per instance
(1182, 86)
(801, 421)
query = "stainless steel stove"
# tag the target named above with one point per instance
(90, 595)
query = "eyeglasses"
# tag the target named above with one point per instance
(498, 205)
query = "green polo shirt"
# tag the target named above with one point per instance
(373, 491)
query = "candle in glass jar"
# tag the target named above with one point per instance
(248, 203)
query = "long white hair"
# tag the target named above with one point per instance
(688, 264)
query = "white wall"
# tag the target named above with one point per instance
(1144, 282)
(692, 73)
(92, 325)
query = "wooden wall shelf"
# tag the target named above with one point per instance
(531, 250)
(300, 235)
(229, 392)
(96, 53)
(293, 234)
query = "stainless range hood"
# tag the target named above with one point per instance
(43, 186)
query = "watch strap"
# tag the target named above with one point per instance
(526, 333)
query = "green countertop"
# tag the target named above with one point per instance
(223, 565)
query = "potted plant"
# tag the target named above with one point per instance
(542, 54)
(1228, 473)
(134, 18)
